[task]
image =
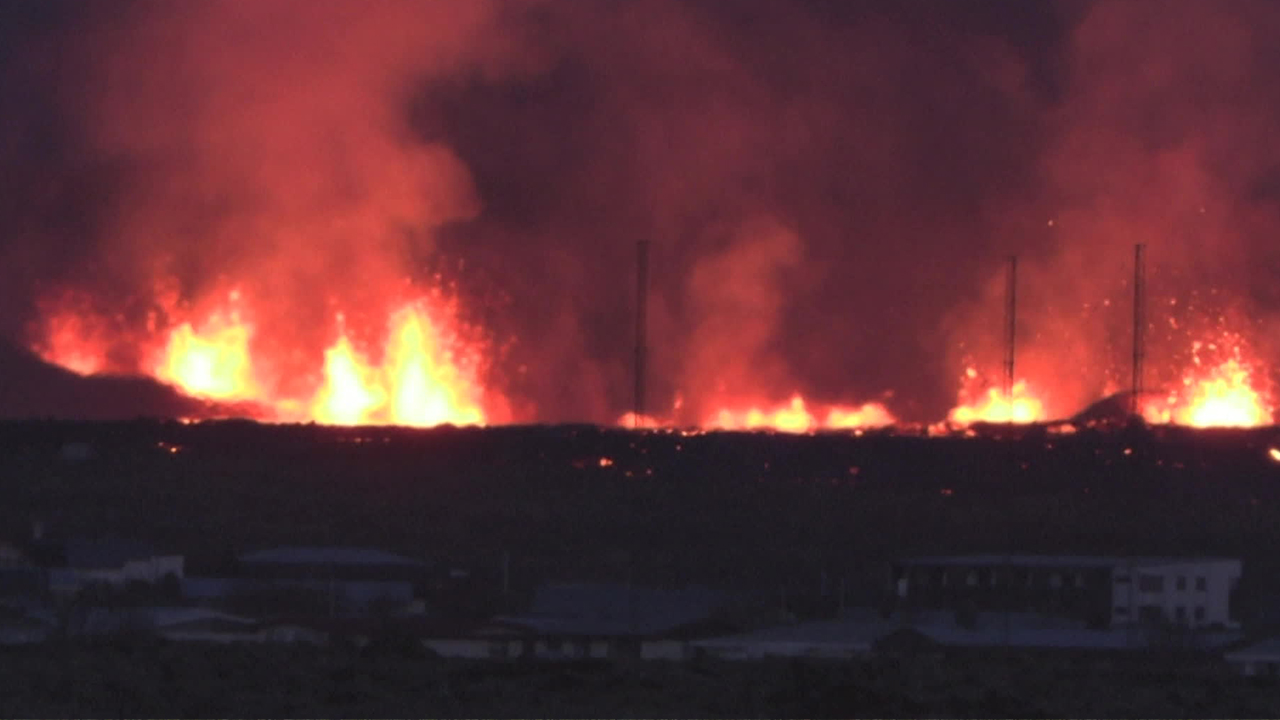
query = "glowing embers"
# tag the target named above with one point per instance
(1230, 393)
(992, 405)
(796, 417)
(419, 382)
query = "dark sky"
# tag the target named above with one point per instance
(831, 186)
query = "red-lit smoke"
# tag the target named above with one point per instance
(830, 189)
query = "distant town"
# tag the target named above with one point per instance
(104, 588)
(1118, 556)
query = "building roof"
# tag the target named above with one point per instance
(599, 609)
(329, 555)
(163, 617)
(819, 638)
(86, 554)
(1268, 649)
(1071, 562)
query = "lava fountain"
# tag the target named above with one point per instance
(423, 373)
(796, 417)
(1228, 392)
(991, 404)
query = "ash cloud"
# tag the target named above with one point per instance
(831, 187)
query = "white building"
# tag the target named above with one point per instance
(1193, 593)
(1103, 591)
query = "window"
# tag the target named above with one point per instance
(1199, 613)
(1079, 579)
(1122, 579)
(1122, 611)
(1202, 584)
(1181, 583)
(1151, 613)
(1151, 583)
(1055, 581)
(1180, 614)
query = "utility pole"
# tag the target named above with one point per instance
(642, 302)
(1010, 329)
(1139, 330)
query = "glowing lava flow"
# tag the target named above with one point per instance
(424, 376)
(1224, 395)
(993, 406)
(795, 417)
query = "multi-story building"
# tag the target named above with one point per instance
(1102, 591)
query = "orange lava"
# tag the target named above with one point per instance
(1227, 394)
(795, 417)
(993, 406)
(424, 374)
(212, 362)
(647, 422)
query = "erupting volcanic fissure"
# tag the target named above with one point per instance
(795, 416)
(1222, 388)
(213, 362)
(980, 402)
(424, 373)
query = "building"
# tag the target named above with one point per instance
(849, 637)
(338, 598)
(194, 624)
(328, 562)
(611, 621)
(1100, 591)
(77, 563)
(1261, 659)
(334, 581)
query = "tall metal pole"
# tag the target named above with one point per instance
(1010, 346)
(1139, 329)
(642, 302)
(1011, 324)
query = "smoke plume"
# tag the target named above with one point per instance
(831, 187)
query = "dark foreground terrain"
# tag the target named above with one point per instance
(715, 507)
(751, 511)
(141, 679)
